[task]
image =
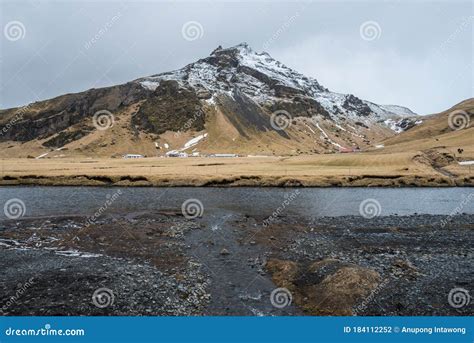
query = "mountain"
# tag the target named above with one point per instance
(453, 127)
(443, 141)
(234, 101)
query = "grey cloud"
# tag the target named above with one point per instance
(421, 59)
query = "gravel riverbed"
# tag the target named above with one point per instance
(229, 263)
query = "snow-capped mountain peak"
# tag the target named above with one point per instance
(268, 82)
(255, 74)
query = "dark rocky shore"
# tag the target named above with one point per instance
(160, 263)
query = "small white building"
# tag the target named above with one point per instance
(176, 154)
(224, 155)
(132, 156)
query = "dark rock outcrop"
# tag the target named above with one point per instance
(43, 119)
(170, 108)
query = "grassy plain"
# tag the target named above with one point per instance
(357, 169)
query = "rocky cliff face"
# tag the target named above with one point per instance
(45, 118)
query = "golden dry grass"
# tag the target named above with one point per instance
(361, 169)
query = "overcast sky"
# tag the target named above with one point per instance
(416, 54)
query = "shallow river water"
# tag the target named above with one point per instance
(307, 202)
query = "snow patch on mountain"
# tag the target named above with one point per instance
(403, 124)
(150, 85)
(274, 69)
(194, 141)
(327, 137)
(398, 110)
(392, 124)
